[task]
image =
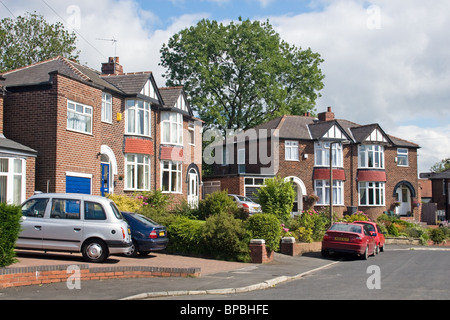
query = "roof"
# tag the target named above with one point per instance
(12, 147)
(436, 176)
(310, 128)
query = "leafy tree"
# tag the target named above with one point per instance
(30, 39)
(441, 166)
(241, 74)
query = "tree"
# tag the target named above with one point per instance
(241, 74)
(30, 39)
(441, 166)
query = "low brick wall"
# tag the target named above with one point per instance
(25, 276)
(290, 247)
(259, 253)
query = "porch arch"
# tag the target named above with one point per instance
(406, 184)
(112, 157)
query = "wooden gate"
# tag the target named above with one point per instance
(429, 213)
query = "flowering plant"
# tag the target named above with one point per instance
(285, 231)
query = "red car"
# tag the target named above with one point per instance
(349, 238)
(379, 236)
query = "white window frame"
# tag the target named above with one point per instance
(373, 191)
(106, 107)
(291, 150)
(322, 190)
(78, 110)
(374, 151)
(191, 128)
(322, 154)
(174, 186)
(173, 122)
(241, 161)
(136, 165)
(11, 174)
(133, 107)
(402, 157)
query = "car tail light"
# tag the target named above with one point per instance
(123, 233)
(245, 205)
(153, 235)
(356, 239)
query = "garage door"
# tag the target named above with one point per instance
(78, 185)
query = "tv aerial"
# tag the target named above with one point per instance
(114, 43)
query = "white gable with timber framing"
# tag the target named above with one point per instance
(376, 136)
(149, 90)
(334, 133)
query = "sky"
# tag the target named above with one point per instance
(386, 61)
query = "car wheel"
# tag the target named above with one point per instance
(133, 251)
(365, 255)
(382, 248)
(376, 250)
(94, 250)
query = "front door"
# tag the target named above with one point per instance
(404, 198)
(193, 190)
(104, 187)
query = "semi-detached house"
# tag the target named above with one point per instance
(371, 171)
(104, 132)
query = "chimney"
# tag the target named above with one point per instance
(326, 116)
(112, 66)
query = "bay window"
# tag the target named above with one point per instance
(371, 156)
(322, 190)
(371, 193)
(12, 180)
(137, 172)
(172, 128)
(138, 117)
(171, 178)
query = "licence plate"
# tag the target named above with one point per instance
(341, 239)
(161, 233)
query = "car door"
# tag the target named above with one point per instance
(63, 229)
(33, 213)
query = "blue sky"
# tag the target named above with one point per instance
(386, 61)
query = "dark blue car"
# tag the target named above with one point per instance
(146, 234)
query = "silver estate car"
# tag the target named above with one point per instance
(91, 225)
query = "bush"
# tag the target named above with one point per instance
(217, 203)
(357, 216)
(186, 236)
(310, 226)
(226, 238)
(9, 232)
(267, 227)
(277, 196)
(437, 235)
(126, 203)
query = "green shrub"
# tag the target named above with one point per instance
(310, 226)
(126, 203)
(277, 196)
(226, 238)
(357, 216)
(267, 227)
(216, 203)
(186, 236)
(437, 235)
(392, 230)
(9, 232)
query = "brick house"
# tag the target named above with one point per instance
(372, 171)
(440, 192)
(17, 164)
(104, 132)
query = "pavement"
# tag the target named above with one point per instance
(216, 277)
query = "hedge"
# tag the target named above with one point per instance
(9, 232)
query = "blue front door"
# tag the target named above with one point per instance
(105, 179)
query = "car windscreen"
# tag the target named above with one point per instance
(346, 228)
(144, 220)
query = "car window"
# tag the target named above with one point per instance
(369, 226)
(116, 211)
(94, 211)
(35, 208)
(346, 228)
(144, 220)
(65, 209)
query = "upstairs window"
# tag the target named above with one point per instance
(371, 156)
(322, 154)
(138, 117)
(402, 157)
(79, 117)
(106, 107)
(172, 128)
(291, 150)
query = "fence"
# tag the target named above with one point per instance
(429, 213)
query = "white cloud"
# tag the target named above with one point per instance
(395, 75)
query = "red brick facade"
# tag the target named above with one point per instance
(304, 171)
(37, 116)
